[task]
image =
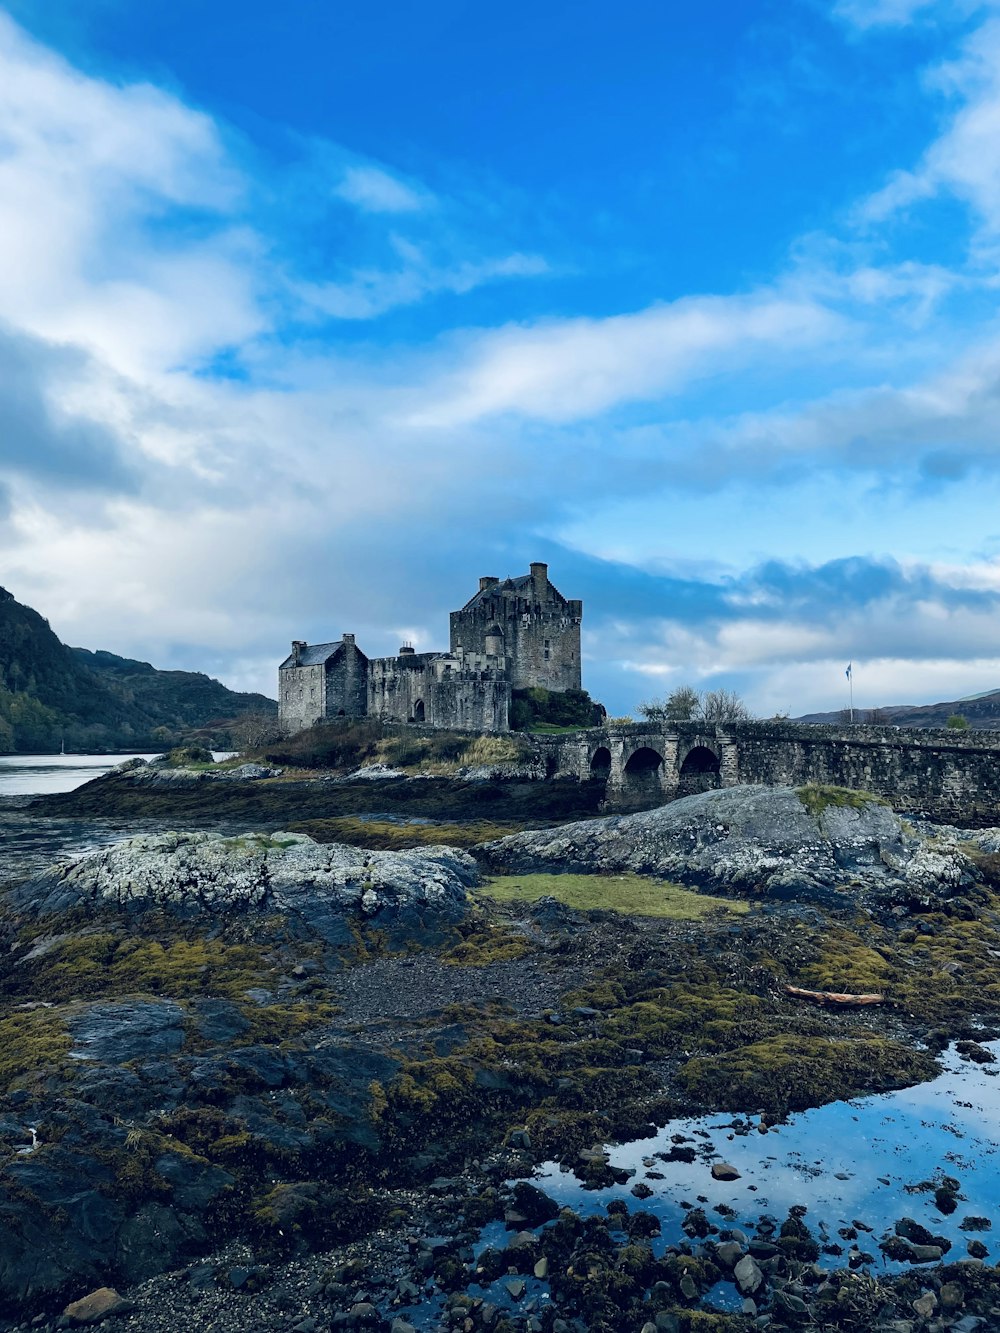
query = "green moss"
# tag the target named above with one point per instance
(107, 964)
(789, 1072)
(817, 797)
(632, 895)
(488, 945)
(33, 1044)
(386, 835)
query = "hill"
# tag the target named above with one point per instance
(982, 712)
(52, 694)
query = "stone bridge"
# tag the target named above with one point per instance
(950, 775)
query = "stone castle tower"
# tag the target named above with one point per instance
(527, 621)
(513, 634)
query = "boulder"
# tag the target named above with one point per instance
(98, 1305)
(197, 873)
(751, 839)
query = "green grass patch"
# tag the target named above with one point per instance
(817, 797)
(632, 895)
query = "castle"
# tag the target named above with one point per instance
(511, 635)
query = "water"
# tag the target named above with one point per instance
(862, 1160)
(41, 774)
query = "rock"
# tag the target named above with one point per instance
(195, 873)
(925, 1305)
(541, 1269)
(951, 1295)
(926, 1254)
(911, 1230)
(747, 839)
(748, 1275)
(977, 1249)
(516, 1288)
(689, 1287)
(729, 1253)
(97, 1305)
(723, 1171)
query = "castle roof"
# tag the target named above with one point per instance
(315, 654)
(522, 584)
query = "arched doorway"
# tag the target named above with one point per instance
(418, 711)
(600, 765)
(699, 771)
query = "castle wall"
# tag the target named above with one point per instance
(347, 682)
(440, 692)
(301, 697)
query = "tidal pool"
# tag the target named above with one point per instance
(865, 1161)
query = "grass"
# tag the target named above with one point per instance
(817, 797)
(632, 895)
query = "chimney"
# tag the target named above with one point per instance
(297, 646)
(539, 580)
(348, 638)
(407, 650)
(487, 581)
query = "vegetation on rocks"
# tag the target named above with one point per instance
(790, 1073)
(817, 797)
(632, 895)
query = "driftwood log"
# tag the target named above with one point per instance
(835, 999)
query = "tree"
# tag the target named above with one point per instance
(682, 704)
(877, 717)
(957, 722)
(686, 704)
(724, 706)
(252, 730)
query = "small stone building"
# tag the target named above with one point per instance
(513, 634)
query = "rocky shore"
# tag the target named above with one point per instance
(261, 1081)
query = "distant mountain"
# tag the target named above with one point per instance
(981, 711)
(51, 694)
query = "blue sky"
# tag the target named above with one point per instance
(312, 314)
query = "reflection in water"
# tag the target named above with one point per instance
(847, 1162)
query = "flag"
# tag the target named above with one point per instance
(847, 673)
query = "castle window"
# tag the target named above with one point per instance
(546, 654)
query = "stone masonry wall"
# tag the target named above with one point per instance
(464, 699)
(947, 775)
(302, 697)
(347, 682)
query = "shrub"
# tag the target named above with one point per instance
(535, 708)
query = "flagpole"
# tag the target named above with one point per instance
(849, 673)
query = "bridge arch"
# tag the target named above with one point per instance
(643, 774)
(700, 770)
(600, 762)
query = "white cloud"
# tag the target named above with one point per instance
(570, 369)
(371, 292)
(375, 191)
(964, 160)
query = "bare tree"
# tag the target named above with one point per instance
(686, 704)
(252, 730)
(724, 706)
